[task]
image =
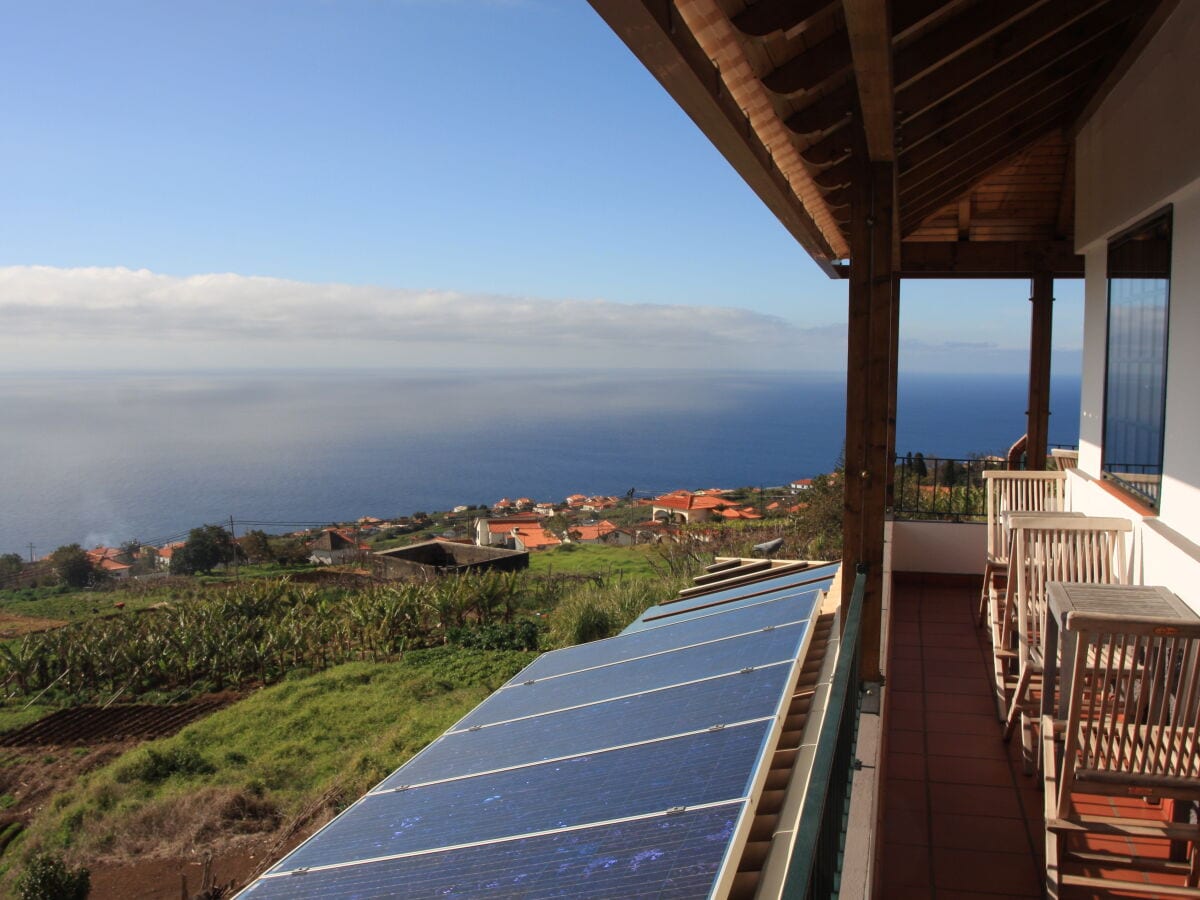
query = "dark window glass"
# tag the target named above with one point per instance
(1139, 288)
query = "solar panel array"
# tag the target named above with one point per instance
(623, 767)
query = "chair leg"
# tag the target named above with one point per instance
(989, 575)
(1018, 697)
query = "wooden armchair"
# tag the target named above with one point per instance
(1131, 736)
(1016, 491)
(1087, 550)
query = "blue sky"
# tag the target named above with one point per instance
(369, 181)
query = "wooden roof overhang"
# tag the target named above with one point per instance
(972, 102)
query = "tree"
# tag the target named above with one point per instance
(918, 465)
(11, 566)
(256, 546)
(48, 878)
(949, 473)
(205, 549)
(72, 566)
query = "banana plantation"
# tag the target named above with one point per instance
(258, 631)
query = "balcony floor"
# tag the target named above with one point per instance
(960, 819)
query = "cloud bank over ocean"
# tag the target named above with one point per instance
(118, 318)
(124, 313)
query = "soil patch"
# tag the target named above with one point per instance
(125, 722)
(12, 626)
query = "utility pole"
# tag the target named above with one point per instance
(233, 538)
(31, 552)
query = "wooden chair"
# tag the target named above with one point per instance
(1132, 730)
(1009, 490)
(1086, 550)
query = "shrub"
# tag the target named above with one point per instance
(155, 766)
(48, 878)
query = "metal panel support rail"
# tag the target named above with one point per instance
(814, 870)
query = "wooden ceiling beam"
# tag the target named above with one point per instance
(838, 176)
(832, 148)
(1031, 71)
(810, 67)
(1064, 221)
(908, 15)
(825, 113)
(868, 24)
(1000, 113)
(918, 206)
(988, 259)
(993, 54)
(960, 35)
(769, 16)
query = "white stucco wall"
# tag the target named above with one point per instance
(944, 547)
(1139, 152)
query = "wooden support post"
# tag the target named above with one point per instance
(869, 377)
(1038, 413)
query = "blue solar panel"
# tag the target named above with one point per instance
(694, 770)
(717, 624)
(646, 673)
(732, 598)
(670, 856)
(660, 616)
(690, 707)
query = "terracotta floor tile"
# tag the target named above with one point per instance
(1010, 874)
(961, 770)
(962, 654)
(964, 723)
(974, 746)
(906, 766)
(906, 680)
(944, 685)
(908, 795)
(904, 864)
(988, 833)
(906, 651)
(973, 800)
(906, 826)
(978, 703)
(954, 668)
(908, 702)
(906, 742)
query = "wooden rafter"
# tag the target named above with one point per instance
(1033, 71)
(962, 71)
(769, 16)
(869, 27)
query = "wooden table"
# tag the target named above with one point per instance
(1145, 604)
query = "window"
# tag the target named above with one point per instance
(1139, 287)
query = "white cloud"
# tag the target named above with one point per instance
(142, 316)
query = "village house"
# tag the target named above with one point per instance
(333, 547)
(107, 561)
(604, 532)
(687, 507)
(499, 532)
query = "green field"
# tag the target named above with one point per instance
(595, 559)
(322, 739)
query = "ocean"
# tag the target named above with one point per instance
(103, 458)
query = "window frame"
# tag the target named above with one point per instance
(1166, 215)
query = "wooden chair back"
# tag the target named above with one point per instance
(1133, 712)
(1090, 550)
(1023, 491)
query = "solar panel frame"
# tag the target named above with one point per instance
(719, 599)
(718, 624)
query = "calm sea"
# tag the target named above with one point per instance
(106, 458)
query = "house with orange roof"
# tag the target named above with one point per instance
(545, 509)
(503, 503)
(106, 561)
(523, 503)
(685, 506)
(527, 538)
(744, 512)
(498, 532)
(603, 532)
(801, 484)
(575, 501)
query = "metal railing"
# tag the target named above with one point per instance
(938, 487)
(815, 868)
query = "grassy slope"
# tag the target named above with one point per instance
(274, 754)
(593, 559)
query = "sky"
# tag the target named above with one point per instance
(283, 183)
